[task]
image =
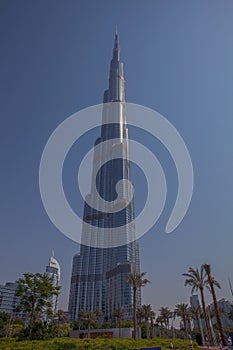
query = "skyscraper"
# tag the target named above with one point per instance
(53, 270)
(99, 275)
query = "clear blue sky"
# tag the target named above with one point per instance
(178, 58)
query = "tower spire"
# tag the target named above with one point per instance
(116, 88)
(116, 49)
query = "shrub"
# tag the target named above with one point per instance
(92, 344)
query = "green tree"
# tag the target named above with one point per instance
(140, 316)
(99, 315)
(35, 292)
(39, 331)
(148, 315)
(61, 319)
(160, 320)
(160, 325)
(4, 321)
(165, 315)
(197, 280)
(136, 280)
(65, 329)
(119, 314)
(76, 325)
(89, 318)
(211, 284)
(182, 310)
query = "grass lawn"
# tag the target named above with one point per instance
(95, 344)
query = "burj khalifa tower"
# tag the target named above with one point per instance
(98, 279)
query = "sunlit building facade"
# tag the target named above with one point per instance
(53, 270)
(99, 275)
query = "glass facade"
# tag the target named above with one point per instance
(53, 270)
(8, 299)
(99, 274)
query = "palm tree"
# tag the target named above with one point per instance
(160, 321)
(148, 315)
(89, 318)
(166, 314)
(152, 324)
(211, 284)
(182, 311)
(195, 312)
(136, 280)
(172, 325)
(61, 318)
(99, 314)
(119, 314)
(197, 280)
(140, 315)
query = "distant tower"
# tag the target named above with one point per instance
(53, 270)
(99, 274)
(194, 301)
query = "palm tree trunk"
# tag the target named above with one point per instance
(119, 328)
(212, 330)
(218, 317)
(152, 329)
(135, 312)
(205, 317)
(185, 326)
(168, 327)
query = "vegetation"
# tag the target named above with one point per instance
(119, 314)
(145, 319)
(145, 313)
(61, 320)
(197, 280)
(164, 318)
(213, 283)
(97, 344)
(136, 280)
(196, 313)
(183, 311)
(35, 292)
(4, 320)
(200, 280)
(89, 319)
